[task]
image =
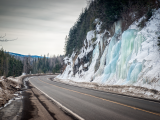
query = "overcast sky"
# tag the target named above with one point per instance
(39, 25)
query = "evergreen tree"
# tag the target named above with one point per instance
(9, 66)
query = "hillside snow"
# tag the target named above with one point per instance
(128, 58)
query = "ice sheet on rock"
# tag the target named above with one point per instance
(130, 58)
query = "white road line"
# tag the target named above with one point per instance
(60, 105)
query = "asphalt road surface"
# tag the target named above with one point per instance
(97, 105)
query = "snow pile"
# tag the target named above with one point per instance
(15, 79)
(129, 58)
(1, 79)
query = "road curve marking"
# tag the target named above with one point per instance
(135, 108)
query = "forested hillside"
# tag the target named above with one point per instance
(108, 12)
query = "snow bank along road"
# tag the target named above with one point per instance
(96, 105)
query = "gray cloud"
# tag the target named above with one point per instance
(45, 20)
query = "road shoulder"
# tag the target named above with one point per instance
(38, 107)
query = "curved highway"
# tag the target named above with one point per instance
(96, 105)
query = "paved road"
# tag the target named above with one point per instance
(96, 105)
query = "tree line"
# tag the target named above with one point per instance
(42, 64)
(9, 66)
(15, 65)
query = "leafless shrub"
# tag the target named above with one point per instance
(133, 12)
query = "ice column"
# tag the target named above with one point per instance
(112, 54)
(127, 47)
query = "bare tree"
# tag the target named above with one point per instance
(3, 39)
(25, 65)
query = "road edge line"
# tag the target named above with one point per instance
(60, 105)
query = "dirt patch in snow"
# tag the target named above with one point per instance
(7, 89)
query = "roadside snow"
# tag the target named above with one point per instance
(15, 79)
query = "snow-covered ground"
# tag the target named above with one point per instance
(131, 58)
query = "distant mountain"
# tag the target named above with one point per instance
(20, 55)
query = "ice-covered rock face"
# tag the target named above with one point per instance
(130, 58)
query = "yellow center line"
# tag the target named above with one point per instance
(135, 108)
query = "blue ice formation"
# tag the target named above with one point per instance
(119, 53)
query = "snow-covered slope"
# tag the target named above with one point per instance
(128, 58)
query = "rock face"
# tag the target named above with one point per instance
(117, 56)
(7, 89)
